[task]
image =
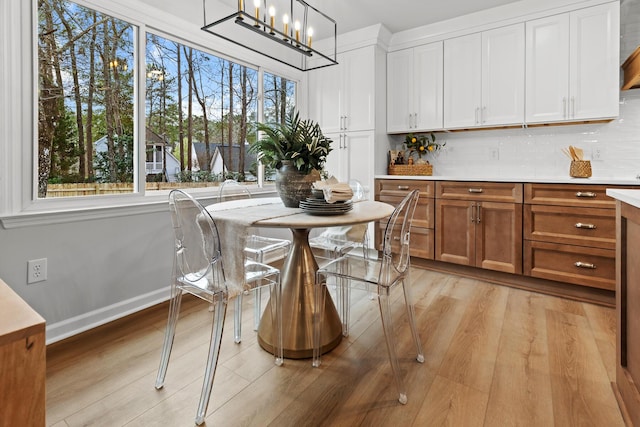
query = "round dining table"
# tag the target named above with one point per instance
(299, 269)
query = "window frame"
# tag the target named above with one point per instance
(19, 205)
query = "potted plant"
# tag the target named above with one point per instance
(297, 149)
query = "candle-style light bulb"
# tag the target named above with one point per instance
(296, 26)
(272, 18)
(256, 4)
(285, 25)
(309, 35)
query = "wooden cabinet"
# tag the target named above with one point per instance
(569, 233)
(628, 312)
(484, 78)
(343, 95)
(392, 191)
(572, 65)
(479, 224)
(22, 362)
(414, 89)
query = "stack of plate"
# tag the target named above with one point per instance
(321, 207)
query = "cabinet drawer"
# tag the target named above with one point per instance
(593, 196)
(570, 225)
(480, 191)
(420, 246)
(579, 265)
(401, 187)
(423, 215)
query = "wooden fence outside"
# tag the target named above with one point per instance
(91, 189)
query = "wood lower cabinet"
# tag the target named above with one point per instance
(392, 191)
(554, 238)
(480, 225)
(628, 312)
(569, 233)
(22, 362)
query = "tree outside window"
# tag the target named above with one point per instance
(200, 109)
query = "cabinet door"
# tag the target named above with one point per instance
(325, 94)
(351, 157)
(547, 69)
(359, 159)
(594, 54)
(499, 237)
(428, 87)
(359, 89)
(400, 77)
(455, 231)
(335, 160)
(503, 76)
(462, 87)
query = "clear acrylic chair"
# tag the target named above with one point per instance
(391, 270)
(198, 270)
(257, 248)
(337, 242)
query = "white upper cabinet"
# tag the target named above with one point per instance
(572, 71)
(484, 78)
(462, 94)
(415, 89)
(503, 76)
(342, 96)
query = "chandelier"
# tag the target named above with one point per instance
(291, 32)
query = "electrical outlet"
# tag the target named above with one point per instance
(37, 270)
(597, 153)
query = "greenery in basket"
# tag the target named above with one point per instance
(421, 145)
(300, 141)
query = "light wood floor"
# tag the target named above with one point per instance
(495, 356)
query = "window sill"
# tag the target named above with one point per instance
(99, 208)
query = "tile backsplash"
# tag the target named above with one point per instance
(612, 147)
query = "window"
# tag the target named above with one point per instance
(85, 100)
(205, 107)
(200, 109)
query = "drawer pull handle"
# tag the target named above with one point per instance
(403, 187)
(475, 190)
(581, 264)
(590, 194)
(586, 226)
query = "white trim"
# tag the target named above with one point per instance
(149, 204)
(511, 13)
(77, 324)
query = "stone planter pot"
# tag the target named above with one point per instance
(293, 185)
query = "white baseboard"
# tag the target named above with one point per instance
(69, 327)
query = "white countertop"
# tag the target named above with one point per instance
(550, 180)
(630, 197)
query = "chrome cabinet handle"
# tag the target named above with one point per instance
(477, 111)
(403, 187)
(344, 144)
(589, 194)
(473, 208)
(581, 264)
(475, 190)
(585, 226)
(573, 107)
(479, 216)
(483, 115)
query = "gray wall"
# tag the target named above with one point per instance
(97, 269)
